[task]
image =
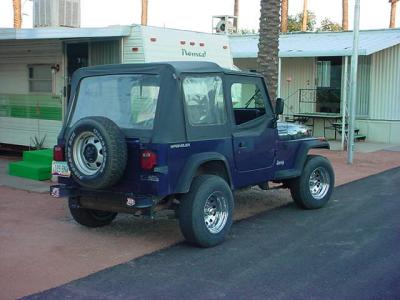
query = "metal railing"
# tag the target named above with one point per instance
(319, 100)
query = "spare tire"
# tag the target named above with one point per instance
(96, 152)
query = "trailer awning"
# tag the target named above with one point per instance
(314, 44)
(63, 33)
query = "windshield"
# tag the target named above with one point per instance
(128, 100)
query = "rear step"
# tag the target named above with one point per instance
(360, 137)
(35, 165)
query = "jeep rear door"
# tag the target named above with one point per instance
(254, 132)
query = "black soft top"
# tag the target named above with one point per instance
(177, 67)
(170, 121)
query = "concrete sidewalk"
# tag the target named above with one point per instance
(365, 147)
(18, 182)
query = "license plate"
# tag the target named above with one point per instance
(60, 168)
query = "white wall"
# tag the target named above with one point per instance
(380, 131)
(155, 44)
(385, 85)
(133, 50)
(15, 56)
(301, 71)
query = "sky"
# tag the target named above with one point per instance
(197, 14)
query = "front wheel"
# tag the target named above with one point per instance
(90, 217)
(205, 213)
(314, 187)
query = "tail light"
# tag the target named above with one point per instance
(58, 153)
(148, 160)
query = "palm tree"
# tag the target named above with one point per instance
(345, 15)
(305, 16)
(17, 13)
(268, 46)
(144, 12)
(393, 13)
(236, 14)
(284, 16)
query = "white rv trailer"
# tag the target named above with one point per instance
(36, 66)
(155, 44)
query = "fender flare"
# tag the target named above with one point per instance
(192, 165)
(301, 158)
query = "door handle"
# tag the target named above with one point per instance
(242, 145)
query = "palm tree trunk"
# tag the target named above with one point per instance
(305, 16)
(236, 14)
(145, 5)
(393, 13)
(284, 16)
(17, 13)
(345, 15)
(268, 46)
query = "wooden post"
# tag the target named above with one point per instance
(236, 14)
(305, 16)
(17, 13)
(345, 15)
(392, 23)
(145, 4)
(284, 16)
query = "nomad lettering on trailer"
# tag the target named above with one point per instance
(193, 54)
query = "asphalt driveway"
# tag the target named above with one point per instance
(349, 249)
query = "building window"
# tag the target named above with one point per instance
(204, 99)
(324, 73)
(247, 101)
(40, 79)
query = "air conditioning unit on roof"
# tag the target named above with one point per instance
(223, 24)
(56, 13)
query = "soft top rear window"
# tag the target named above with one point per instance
(130, 100)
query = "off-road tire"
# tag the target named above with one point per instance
(90, 217)
(206, 189)
(113, 146)
(300, 187)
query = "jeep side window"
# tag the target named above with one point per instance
(204, 100)
(247, 101)
(144, 104)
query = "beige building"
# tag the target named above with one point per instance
(314, 77)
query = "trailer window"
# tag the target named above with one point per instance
(128, 100)
(204, 100)
(40, 78)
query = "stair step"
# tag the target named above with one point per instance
(355, 130)
(31, 170)
(44, 156)
(360, 137)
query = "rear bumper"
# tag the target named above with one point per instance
(103, 199)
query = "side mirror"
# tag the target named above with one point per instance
(279, 106)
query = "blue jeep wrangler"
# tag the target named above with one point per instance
(182, 135)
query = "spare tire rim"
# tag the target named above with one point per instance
(88, 153)
(216, 212)
(319, 183)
